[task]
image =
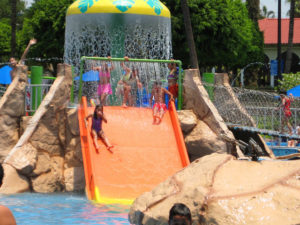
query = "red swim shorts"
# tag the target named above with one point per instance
(160, 106)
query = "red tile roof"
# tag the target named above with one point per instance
(270, 28)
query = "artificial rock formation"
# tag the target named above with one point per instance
(49, 148)
(221, 190)
(200, 140)
(211, 134)
(12, 106)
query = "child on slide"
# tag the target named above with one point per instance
(97, 131)
(159, 107)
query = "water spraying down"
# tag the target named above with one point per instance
(146, 72)
(136, 28)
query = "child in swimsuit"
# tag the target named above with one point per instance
(125, 82)
(104, 88)
(135, 84)
(97, 131)
(159, 107)
(172, 79)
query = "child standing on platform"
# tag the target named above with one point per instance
(104, 88)
(172, 79)
(97, 131)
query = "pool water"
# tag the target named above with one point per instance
(62, 208)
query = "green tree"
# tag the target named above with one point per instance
(12, 15)
(45, 21)
(4, 40)
(296, 9)
(224, 34)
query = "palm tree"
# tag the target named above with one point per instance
(189, 34)
(297, 9)
(13, 26)
(253, 9)
(288, 61)
(267, 14)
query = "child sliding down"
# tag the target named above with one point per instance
(97, 131)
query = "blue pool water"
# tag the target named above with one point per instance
(62, 208)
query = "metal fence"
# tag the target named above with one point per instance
(34, 95)
(270, 117)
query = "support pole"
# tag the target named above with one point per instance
(36, 79)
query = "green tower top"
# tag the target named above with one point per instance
(143, 7)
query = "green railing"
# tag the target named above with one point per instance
(84, 58)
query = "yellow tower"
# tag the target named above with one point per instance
(143, 7)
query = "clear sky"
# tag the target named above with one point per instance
(272, 5)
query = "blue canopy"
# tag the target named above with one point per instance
(5, 75)
(91, 75)
(295, 91)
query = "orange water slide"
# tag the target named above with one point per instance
(143, 155)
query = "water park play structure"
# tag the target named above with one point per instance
(144, 154)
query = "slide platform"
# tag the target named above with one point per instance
(143, 156)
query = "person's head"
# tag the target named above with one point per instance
(282, 96)
(171, 65)
(98, 111)
(180, 214)
(157, 84)
(134, 72)
(13, 62)
(1, 174)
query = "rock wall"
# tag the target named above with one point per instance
(221, 190)
(210, 134)
(47, 157)
(12, 108)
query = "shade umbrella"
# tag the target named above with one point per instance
(5, 77)
(295, 91)
(91, 75)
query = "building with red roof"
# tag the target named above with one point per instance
(269, 27)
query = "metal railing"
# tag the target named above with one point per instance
(270, 117)
(34, 94)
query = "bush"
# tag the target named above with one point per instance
(289, 81)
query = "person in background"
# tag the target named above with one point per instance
(104, 88)
(6, 216)
(285, 106)
(97, 131)
(180, 214)
(135, 84)
(172, 79)
(125, 82)
(159, 107)
(13, 61)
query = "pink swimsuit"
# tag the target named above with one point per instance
(104, 88)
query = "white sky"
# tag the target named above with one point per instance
(272, 5)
